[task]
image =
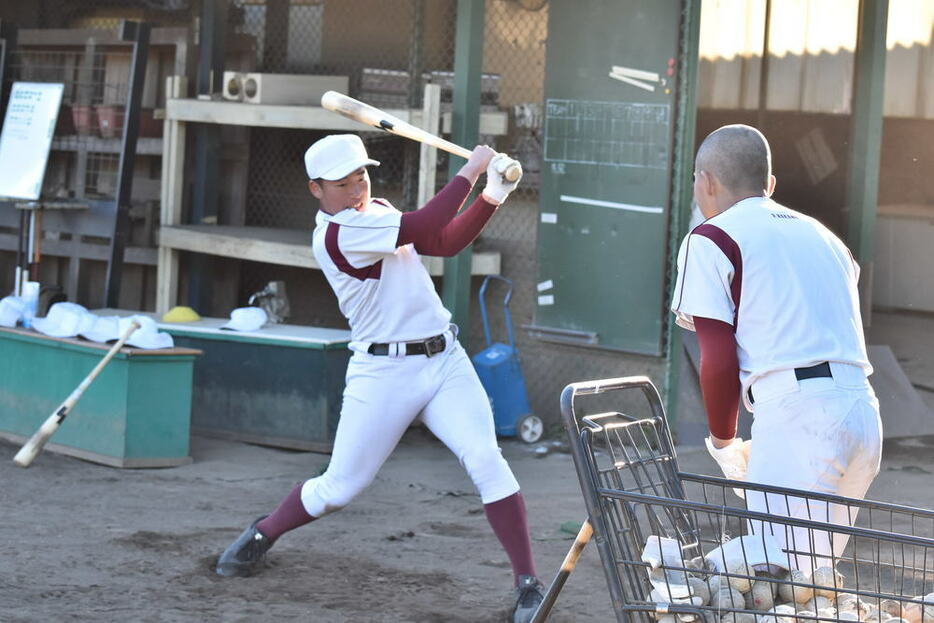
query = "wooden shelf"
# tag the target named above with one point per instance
(303, 117)
(84, 250)
(147, 146)
(260, 244)
(79, 37)
(286, 247)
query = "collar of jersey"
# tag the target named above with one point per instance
(324, 217)
(743, 204)
(749, 202)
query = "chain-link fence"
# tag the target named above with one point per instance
(416, 38)
(387, 50)
(376, 47)
(514, 49)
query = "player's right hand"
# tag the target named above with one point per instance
(497, 186)
(733, 459)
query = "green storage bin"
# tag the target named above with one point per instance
(136, 413)
(280, 386)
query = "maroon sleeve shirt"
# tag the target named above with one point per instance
(437, 229)
(719, 375)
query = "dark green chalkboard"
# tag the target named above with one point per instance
(606, 180)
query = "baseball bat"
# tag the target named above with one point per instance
(34, 446)
(368, 115)
(570, 561)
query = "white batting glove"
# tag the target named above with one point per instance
(497, 187)
(732, 459)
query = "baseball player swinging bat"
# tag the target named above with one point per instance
(368, 115)
(34, 446)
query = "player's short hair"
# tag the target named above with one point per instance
(739, 156)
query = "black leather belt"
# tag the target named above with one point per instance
(820, 370)
(429, 347)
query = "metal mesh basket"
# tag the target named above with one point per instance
(634, 491)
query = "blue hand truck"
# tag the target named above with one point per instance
(498, 367)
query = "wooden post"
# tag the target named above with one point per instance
(173, 165)
(428, 156)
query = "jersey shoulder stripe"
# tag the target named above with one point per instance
(379, 215)
(373, 271)
(730, 249)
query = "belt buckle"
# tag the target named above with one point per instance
(434, 345)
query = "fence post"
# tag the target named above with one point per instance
(465, 130)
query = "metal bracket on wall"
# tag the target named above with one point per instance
(562, 336)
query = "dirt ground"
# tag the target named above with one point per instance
(84, 542)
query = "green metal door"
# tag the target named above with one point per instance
(606, 181)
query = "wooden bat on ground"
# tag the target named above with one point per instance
(34, 446)
(570, 561)
(368, 115)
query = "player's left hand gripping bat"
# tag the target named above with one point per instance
(368, 115)
(34, 446)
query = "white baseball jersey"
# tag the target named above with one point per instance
(785, 282)
(384, 291)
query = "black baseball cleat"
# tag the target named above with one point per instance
(529, 595)
(243, 556)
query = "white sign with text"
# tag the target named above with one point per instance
(27, 136)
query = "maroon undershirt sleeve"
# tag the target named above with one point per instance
(437, 229)
(719, 375)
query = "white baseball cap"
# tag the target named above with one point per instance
(146, 336)
(246, 319)
(65, 320)
(104, 329)
(12, 309)
(336, 156)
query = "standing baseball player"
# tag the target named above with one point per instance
(772, 296)
(401, 337)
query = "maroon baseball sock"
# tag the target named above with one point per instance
(508, 519)
(289, 515)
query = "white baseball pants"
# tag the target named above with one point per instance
(383, 395)
(822, 435)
